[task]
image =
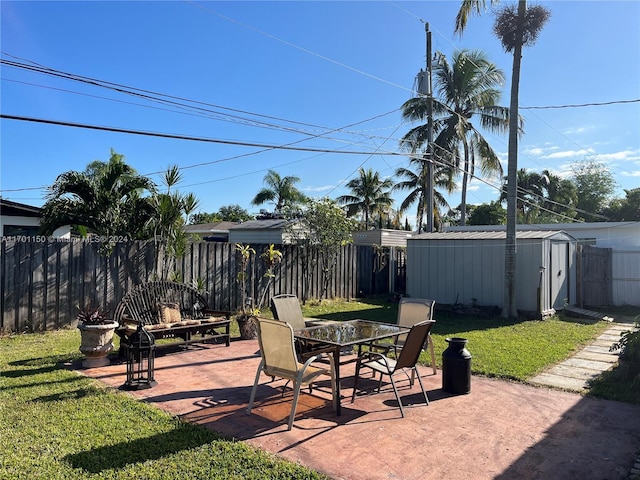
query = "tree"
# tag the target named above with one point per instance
(227, 213)
(107, 199)
(234, 213)
(279, 190)
(515, 29)
(561, 198)
(625, 209)
(415, 182)
(198, 218)
(595, 186)
(530, 195)
(324, 226)
(172, 211)
(488, 214)
(467, 88)
(369, 195)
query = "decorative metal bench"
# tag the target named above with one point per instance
(170, 310)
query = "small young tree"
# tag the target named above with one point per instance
(327, 229)
(172, 211)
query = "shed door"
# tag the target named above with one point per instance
(559, 274)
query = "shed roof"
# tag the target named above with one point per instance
(492, 235)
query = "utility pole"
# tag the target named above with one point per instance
(429, 133)
(425, 88)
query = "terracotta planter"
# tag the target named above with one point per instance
(96, 343)
(248, 327)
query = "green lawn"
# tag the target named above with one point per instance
(57, 424)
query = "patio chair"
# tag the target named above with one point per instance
(410, 312)
(279, 359)
(286, 308)
(406, 361)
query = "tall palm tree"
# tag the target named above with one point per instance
(279, 190)
(515, 29)
(467, 88)
(561, 196)
(415, 182)
(369, 195)
(106, 200)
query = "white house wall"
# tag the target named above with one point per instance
(252, 236)
(18, 221)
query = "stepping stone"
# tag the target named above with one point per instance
(558, 381)
(573, 372)
(587, 364)
(597, 356)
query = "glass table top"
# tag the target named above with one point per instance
(350, 332)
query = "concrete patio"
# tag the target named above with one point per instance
(499, 430)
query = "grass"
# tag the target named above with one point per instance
(56, 424)
(508, 349)
(61, 425)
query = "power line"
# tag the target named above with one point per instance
(186, 137)
(578, 105)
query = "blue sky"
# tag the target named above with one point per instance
(327, 75)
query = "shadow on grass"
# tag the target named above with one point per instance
(114, 457)
(617, 384)
(48, 363)
(90, 391)
(447, 322)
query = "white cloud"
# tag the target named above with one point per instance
(570, 154)
(318, 189)
(536, 152)
(624, 155)
(578, 130)
(630, 174)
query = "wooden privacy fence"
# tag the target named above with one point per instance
(42, 284)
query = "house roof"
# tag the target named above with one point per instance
(207, 228)
(490, 235)
(267, 224)
(15, 209)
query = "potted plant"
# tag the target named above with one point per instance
(629, 346)
(96, 332)
(249, 310)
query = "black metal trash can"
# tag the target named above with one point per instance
(456, 367)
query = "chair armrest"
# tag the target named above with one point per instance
(375, 356)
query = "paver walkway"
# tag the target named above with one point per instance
(575, 372)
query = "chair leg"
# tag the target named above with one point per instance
(424, 392)
(255, 386)
(395, 390)
(355, 381)
(296, 394)
(433, 353)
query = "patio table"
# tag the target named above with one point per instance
(337, 335)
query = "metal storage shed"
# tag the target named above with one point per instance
(468, 268)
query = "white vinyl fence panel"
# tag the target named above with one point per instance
(626, 277)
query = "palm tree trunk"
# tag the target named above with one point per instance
(465, 181)
(509, 307)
